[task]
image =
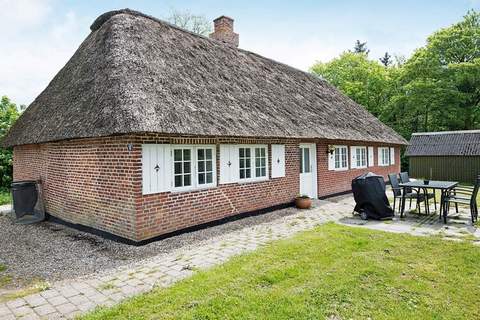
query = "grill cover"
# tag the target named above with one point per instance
(369, 194)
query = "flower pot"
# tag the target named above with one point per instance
(303, 202)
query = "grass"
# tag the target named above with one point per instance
(334, 271)
(34, 287)
(5, 197)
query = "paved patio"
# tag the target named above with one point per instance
(67, 299)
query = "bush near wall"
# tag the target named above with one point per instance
(8, 115)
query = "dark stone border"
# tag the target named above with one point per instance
(116, 238)
(335, 194)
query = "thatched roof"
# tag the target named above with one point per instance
(134, 74)
(446, 143)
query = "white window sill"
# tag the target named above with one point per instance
(252, 180)
(339, 169)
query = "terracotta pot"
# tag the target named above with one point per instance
(303, 203)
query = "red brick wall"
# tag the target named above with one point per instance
(87, 181)
(331, 182)
(98, 183)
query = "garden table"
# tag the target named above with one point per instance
(443, 186)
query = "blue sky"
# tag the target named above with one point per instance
(39, 36)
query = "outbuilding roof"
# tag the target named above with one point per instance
(136, 74)
(446, 143)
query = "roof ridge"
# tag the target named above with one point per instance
(100, 20)
(445, 132)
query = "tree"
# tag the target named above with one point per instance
(440, 84)
(8, 115)
(361, 47)
(194, 23)
(363, 80)
(386, 59)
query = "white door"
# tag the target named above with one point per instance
(308, 170)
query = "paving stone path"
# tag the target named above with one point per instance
(67, 299)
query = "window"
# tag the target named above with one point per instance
(361, 157)
(193, 167)
(245, 163)
(384, 156)
(252, 162)
(204, 166)
(305, 165)
(260, 162)
(182, 167)
(340, 155)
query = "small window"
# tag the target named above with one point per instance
(260, 162)
(361, 157)
(182, 166)
(245, 163)
(205, 166)
(384, 154)
(340, 154)
(305, 163)
(252, 163)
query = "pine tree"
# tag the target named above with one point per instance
(386, 60)
(361, 47)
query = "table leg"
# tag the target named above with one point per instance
(441, 204)
(402, 199)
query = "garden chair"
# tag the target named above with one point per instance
(465, 195)
(397, 193)
(404, 178)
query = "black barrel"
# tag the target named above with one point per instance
(25, 197)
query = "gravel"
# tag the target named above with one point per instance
(53, 252)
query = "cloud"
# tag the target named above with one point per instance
(39, 45)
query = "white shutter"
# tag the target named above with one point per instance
(278, 160)
(353, 157)
(392, 155)
(371, 157)
(156, 168)
(331, 161)
(228, 163)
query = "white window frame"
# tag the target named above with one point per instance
(341, 167)
(356, 150)
(194, 168)
(253, 166)
(382, 160)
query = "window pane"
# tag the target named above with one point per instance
(258, 172)
(242, 173)
(201, 166)
(209, 177)
(247, 152)
(264, 172)
(248, 173)
(201, 154)
(247, 163)
(257, 162)
(177, 155)
(241, 152)
(186, 167)
(242, 163)
(257, 152)
(301, 160)
(208, 154)
(178, 167)
(187, 181)
(306, 156)
(201, 178)
(186, 154)
(178, 181)
(209, 165)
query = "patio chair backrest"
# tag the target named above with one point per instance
(475, 191)
(395, 185)
(404, 178)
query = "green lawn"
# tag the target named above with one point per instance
(4, 197)
(332, 271)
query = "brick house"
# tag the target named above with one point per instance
(150, 130)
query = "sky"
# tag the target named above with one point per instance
(39, 36)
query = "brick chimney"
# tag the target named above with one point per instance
(223, 31)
